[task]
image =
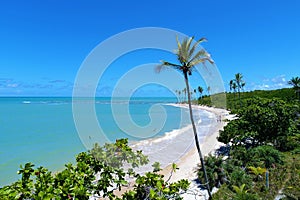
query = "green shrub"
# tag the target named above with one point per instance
(242, 194)
(262, 121)
(239, 177)
(267, 155)
(261, 156)
(78, 181)
(215, 171)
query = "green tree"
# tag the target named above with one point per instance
(78, 181)
(295, 82)
(262, 121)
(242, 194)
(188, 58)
(215, 171)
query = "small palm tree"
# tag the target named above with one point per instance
(257, 171)
(188, 58)
(239, 190)
(240, 83)
(233, 87)
(295, 82)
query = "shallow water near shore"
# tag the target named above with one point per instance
(42, 131)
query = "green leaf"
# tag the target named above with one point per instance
(159, 185)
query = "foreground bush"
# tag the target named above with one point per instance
(97, 173)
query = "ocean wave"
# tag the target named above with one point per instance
(178, 142)
(167, 136)
(46, 102)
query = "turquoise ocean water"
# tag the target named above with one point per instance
(42, 130)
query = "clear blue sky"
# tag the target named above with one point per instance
(43, 43)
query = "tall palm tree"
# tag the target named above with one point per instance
(188, 58)
(191, 94)
(179, 94)
(195, 92)
(239, 84)
(243, 85)
(295, 82)
(200, 90)
(208, 90)
(184, 91)
(233, 86)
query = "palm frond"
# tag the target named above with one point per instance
(185, 53)
(189, 42)
(231, 84)
(238, 77)
(295, 82)
(234, 86)
(165, 64)
(200, 56)
(191, 52)
(178, 50)
(178, 43)
(200, 60)
(184, 50)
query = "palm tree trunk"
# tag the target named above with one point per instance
(195, 134)
(240, 97)
(234, 99)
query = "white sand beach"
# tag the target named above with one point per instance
(188, 160)
(188, 164)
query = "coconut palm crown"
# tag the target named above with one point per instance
(295, 82)
(188, 58)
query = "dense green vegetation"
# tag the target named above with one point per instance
(285, 94)
(261, 157)
(97, 173)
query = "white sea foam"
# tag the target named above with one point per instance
(173, 145)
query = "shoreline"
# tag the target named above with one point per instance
(189, 162)
(179, 142)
